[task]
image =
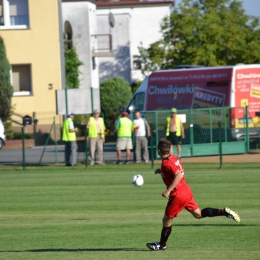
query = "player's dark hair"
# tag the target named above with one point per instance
(164, 146)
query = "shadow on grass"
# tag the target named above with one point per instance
(74, 250)
(215, 225)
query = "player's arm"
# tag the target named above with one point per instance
(175, 182)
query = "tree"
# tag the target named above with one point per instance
(204, 32)
(113, 93)
(72, 64)
(136, 85)
(6, 89)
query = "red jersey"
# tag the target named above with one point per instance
(170, 166)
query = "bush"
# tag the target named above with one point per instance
(113, 93)
(18, 136)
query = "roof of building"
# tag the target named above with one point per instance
(91, 1)
(120, 3)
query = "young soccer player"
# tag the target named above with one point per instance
(180, 195)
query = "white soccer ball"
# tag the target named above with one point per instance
(138, 180)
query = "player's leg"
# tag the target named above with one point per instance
(194, 209)
(212, 212)
(165, 233)
(173, 208)
(196, 213)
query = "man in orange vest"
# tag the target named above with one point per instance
(96, 135)
(174, 130)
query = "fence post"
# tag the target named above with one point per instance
(86, 149)
(247, 131)
(134, 146)
(23, 148)
(220, 145)
(152, 157)
(191, 132)
(55, 140)
(46, 143)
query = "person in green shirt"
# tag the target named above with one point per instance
(124, 127)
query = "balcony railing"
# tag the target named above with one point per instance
(102, 45)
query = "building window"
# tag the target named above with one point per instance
(21, 80)
(14, 14)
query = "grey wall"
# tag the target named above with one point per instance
(119, 65)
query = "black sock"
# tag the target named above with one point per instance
(210, 212)
(166, 231)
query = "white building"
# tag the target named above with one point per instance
(80, 29)
(129, 23)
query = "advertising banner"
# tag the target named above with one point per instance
(185, 89)
(247, 82)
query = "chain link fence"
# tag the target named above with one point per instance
(207, 132)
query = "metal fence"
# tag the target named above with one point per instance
(207, 132)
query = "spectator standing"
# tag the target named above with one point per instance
(124, 128)
(69, 137)
(174, 130)
(141, 126)
(96, 134)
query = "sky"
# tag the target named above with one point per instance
(252, 7)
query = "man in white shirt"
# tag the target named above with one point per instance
(140, 126)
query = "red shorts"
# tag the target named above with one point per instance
(179, 200)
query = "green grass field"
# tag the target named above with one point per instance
(57, 212)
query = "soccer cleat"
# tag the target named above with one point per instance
(155, 246)
(231, 214)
